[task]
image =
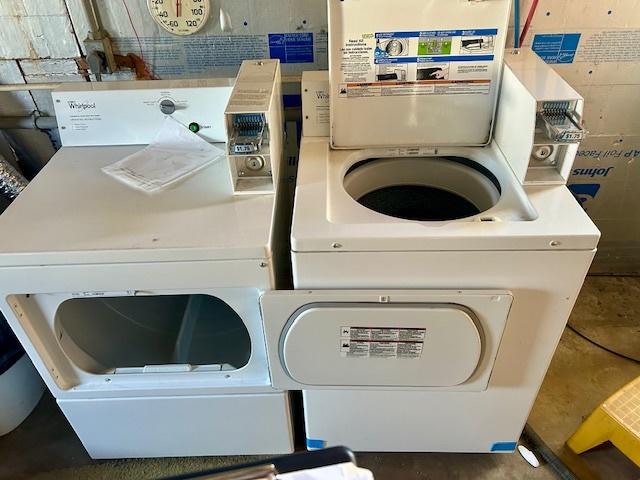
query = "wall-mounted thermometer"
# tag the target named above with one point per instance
(180, 17)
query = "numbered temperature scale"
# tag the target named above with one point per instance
(180, 17)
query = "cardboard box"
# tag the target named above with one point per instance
(606, 181)
(595, 46)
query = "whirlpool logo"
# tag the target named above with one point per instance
(75, 105)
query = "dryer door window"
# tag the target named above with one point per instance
(147, 333)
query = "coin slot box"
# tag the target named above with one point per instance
(254, 124)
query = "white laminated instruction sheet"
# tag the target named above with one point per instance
(434, 62)
(175, 154)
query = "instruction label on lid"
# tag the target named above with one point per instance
(377, 342)
(432, 62)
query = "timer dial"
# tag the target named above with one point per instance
(180, 17)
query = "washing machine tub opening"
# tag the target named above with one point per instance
(425, 189)
(152, 333)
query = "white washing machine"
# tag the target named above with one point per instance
(142, 312)
(436, 250)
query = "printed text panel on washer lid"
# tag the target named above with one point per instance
(415, 72)
(428, 345)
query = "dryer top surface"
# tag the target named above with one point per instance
(73, 213)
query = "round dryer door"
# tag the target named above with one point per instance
(410, 345)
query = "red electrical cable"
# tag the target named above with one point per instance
(134, 28)
(527, 24)
(146, 68)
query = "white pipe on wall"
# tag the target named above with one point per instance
(33, 122)
(21, 87)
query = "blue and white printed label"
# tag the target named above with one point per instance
(431, 62)
(291, 47)
(556, 47)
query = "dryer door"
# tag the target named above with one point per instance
(388, 339)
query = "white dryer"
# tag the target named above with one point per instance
(436, 250)
(142, 312)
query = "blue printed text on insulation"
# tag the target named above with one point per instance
(291, 47)
(556, 47)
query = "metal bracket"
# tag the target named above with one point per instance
(100, 54)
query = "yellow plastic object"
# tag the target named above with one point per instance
(617, 420)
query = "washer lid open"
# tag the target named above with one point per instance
(425, 73)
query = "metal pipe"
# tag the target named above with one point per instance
(21, 87)
(93, 15)
(12, 182)
(516, 24)
(31, 122)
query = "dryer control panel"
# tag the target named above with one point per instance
(132, 112)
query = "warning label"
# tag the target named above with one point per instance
(363, 342)
(437, 62)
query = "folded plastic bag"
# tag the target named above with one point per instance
(175, 154)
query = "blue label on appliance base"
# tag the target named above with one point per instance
(313, 444)
(556, 47)
(291, 47)
(504, 446)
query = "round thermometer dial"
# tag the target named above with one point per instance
(180, 17)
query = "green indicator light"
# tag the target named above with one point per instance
(194, 127)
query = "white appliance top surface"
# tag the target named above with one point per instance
(416, 72)
(326, 218)
(74, 213)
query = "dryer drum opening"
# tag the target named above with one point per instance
(106, 334)
(423, 188)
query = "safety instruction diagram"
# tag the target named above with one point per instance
(435, 62)
(364, 342)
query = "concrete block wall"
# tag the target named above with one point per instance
(41, 39)
(37, 44)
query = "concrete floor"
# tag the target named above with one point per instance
(580, 377)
